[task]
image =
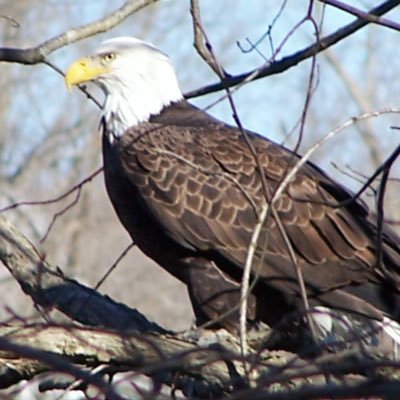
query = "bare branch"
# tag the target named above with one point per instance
(326, 138)
(373, 19)
(292, 60)
(48, 287)
(198, 363)
(38, 54)
(211, 59)
(197, 369)
(114, 265)
(146, 352)
(41, 360)
(74, 189)
(201, 43)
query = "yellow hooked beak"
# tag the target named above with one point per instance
(84, 70)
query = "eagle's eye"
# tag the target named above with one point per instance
(108, 57)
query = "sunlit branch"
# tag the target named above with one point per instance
(38, 54)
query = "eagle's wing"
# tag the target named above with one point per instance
(202, 187)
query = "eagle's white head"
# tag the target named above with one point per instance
(138, 81)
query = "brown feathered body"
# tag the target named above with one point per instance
(187, 189)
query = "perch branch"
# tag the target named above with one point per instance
(28, 351)
(200, 363)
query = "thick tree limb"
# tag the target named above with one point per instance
(48, 287)
(185, 364)
(200, 363)
(150, 353)
(36, 360)
(38, 54)
(285, 63)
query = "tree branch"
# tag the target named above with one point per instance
(150, 347)
(184, 364)
(290, 61)
(38, 54)
(373, 19)
(200, 363)
(48, 287)
(148, 353)
(36, 360)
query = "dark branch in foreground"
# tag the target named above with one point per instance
(290, 61)
(150, 353)
(182, 362)
(200, 363)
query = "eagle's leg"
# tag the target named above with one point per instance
(215, 296)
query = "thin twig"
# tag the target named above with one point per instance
(81, 87)
(213, 62)
(60, 213)
(54, 199)
(326, 138)
(281, 228)
(381, 215)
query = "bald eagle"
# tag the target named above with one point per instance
(187, 189)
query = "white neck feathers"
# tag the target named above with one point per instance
(141, 82)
